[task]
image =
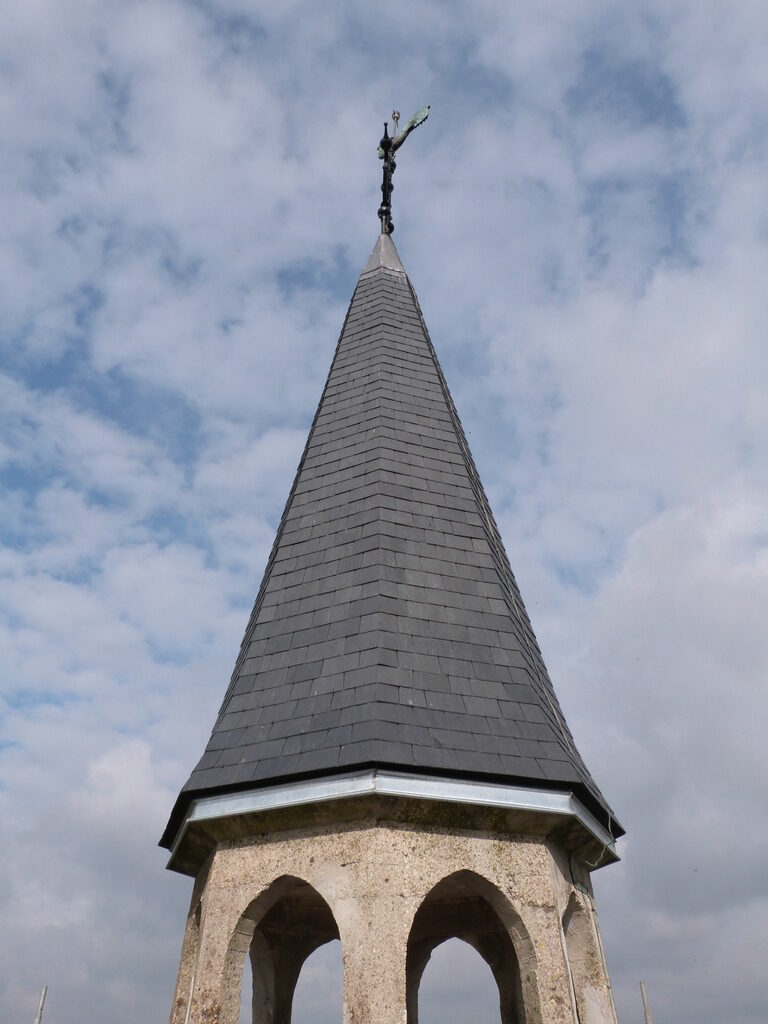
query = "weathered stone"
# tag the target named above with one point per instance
(391, 893)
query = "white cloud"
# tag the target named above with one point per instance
(188, 193)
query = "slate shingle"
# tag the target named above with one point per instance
(388, 598)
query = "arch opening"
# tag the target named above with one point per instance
(457, 986)
(279, 931)
(319, 993)
(465, 906)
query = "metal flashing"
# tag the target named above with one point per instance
(375, 782)
(384, 256)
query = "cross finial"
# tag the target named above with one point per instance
(387, 148)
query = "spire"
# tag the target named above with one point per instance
(389, 630)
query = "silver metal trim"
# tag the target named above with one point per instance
(373, 781)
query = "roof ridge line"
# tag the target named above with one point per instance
(249, 629)
(516, 608)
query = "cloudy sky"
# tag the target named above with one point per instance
(188, 192)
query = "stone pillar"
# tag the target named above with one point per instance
(591, 987)
(224, 940)
(190, 951)
(232, 973)
(552, 975)
(374, 969)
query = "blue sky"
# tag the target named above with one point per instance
(188, 192)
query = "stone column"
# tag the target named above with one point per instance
(552, 974)
(374, 947)
(190, 951)
(592, 989)
(219, 974)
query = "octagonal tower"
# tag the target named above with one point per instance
(390, 764)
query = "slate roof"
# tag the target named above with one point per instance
(388, 630)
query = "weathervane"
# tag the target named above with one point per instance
(387, 149)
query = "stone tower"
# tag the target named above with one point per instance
(390, 765)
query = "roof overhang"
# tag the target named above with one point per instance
(211, 819)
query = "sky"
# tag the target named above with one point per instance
(188, 192)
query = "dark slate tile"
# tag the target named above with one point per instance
(363, 752)
(315, 704)
(208, 760)
(289, 727)
(224, 775)
(232, 756)
(482, 706)
(494, 744)
(521, 768)
(363, 696)
(555, 751)
(490, 690)
(283, 766)
(535, 730)
(252, 717)
(533, 712)
(444, 701)
(481, 762)
(531, 748)
(373, 730)
(221, 740)
(312, 760)
(414, 734)
(280, 712)
(468, 723)
(453, 740)
(267, 748)
(298, 691)
(343, 698)
(442, 758)
(559, 771)
(329, 719)
(505, 727)
(327, 683)
(339, 736)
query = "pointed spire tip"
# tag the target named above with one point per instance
(384, 256)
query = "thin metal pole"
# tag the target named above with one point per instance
(189, 1001)
(646, 1007)
(43, 994)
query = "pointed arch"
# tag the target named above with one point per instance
(466, 906)
(279, 929)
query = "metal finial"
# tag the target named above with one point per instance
(387, 148)
(646, 1007)
(41, 1004)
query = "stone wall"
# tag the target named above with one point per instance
(366, 883)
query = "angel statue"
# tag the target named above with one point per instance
(387, 149)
